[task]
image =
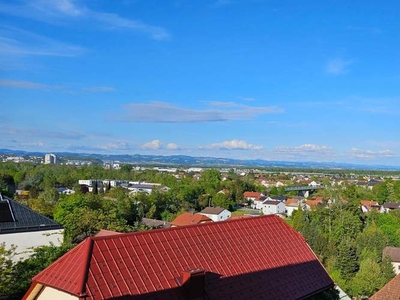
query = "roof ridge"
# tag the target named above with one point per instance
(82, 287)
(144, 232)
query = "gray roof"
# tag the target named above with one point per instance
(212, 210)
(391, 205)
(15, 217)
(393, 252)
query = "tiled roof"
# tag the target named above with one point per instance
(251, 194)
(156, 264)
(188, 218)
(104, 232)
(292, 201)
(25, 219)
(314, 203)
(212, 210)
(391, 291)
(392, 252)
(368, 204)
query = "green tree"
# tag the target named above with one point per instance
(41, 257)
(222, 200)
(387, 270)
(347, 260)
(6, 269)
(370, 243)
(368, 279)
(210, 180)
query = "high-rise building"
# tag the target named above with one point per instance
(50, 159)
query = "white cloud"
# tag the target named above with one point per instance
(115, 146)
(99, 89)
(31, 133)
(303, 150)
(59, 12)
(232, 145)
(18, 42)
(24, 84)
(20, 84)
(370, 154)
(172, 146)
(156, 111)
(154, 145)
(338, 66)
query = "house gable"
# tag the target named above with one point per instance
(218, 257)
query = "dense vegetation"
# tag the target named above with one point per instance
(348, 242)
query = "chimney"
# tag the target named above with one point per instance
(193, 282)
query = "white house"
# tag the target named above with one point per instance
(291, 205)
(394, 254)
(26, 229)
(216, 213)
(273, 207)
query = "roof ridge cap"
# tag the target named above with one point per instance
(86, 264)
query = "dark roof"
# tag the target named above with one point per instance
(390, 291)
(156, 264)
(212, 210)
(392, 252)
(391, 205)
(272, 202)
(23, 218)
(155, 223)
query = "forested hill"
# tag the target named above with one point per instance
(184, 160)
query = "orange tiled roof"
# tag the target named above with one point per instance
(188, 218)
(291, 201)
(251, 194)
(368, 203)
(391, 291)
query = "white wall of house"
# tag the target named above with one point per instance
(257, 204)
(26, 240)
(396, 267)
(224, 215)
(49, 293)
(291, 209)
(271, 209)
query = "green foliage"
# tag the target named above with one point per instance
(370, 243)
(346, 260)
(222, 200)
(367, 281)
(42, 256)
(6, 269)
(86, 214)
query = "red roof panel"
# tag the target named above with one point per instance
(253, 257)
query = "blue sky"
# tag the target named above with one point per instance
(275, 80)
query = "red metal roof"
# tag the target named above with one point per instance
(259, 257)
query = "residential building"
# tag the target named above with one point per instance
(291, 205)
(368, 205)
(26, 229)
(188, 218)
(216, 213)
(205, 261)
(388, 206)
(50, 158)
(394, 254)
(273, 207)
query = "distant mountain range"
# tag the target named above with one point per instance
(184, 160)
